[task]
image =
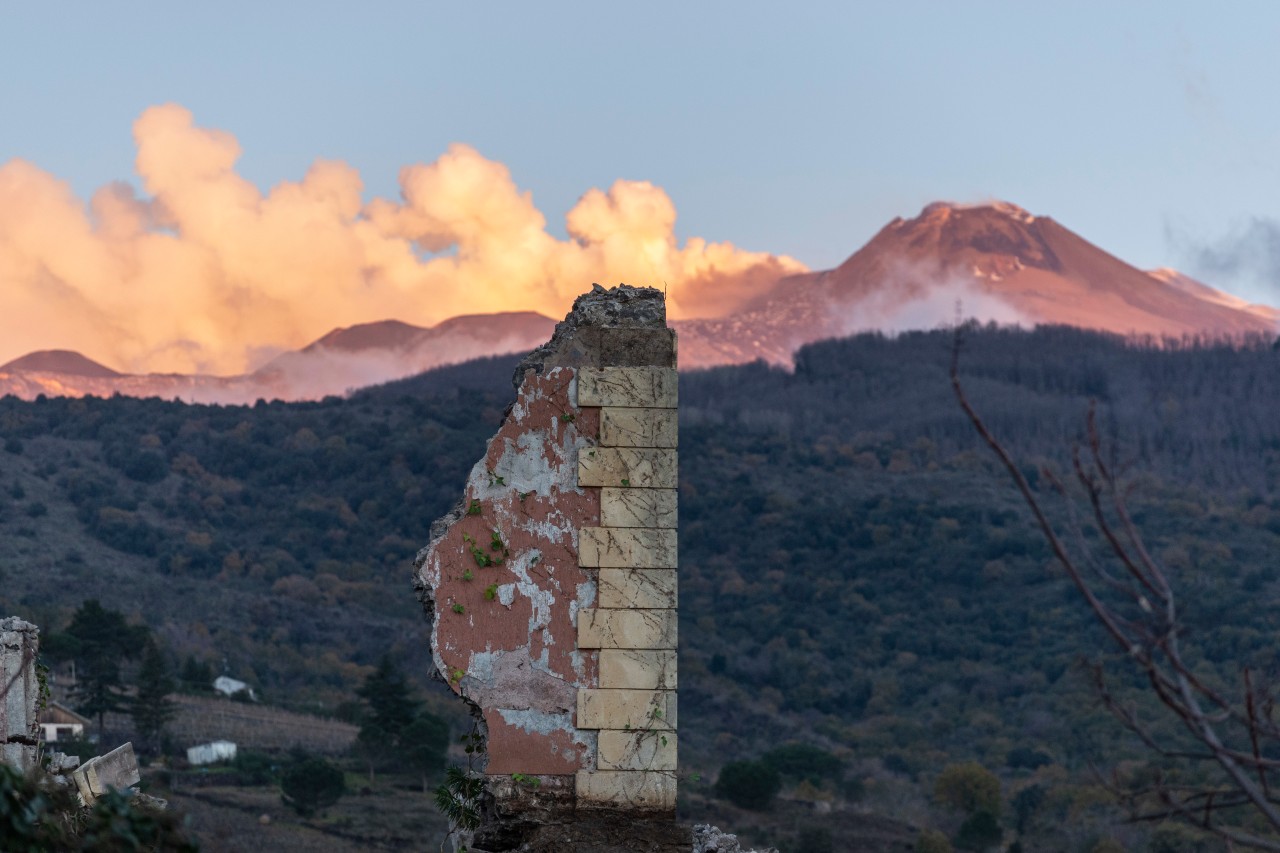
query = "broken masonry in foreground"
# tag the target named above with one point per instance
(20, 691)
(551, 589)
(22, 696)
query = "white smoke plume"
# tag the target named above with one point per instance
(206, 273)
(916, 297)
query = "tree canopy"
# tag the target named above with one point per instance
(99, 640)
(151, 707)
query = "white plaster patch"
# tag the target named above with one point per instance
(524, 465)
(481, 665)
(430, 571)
(520, 411)
(535, 462)
(541, 599)
(506, 594)
(586, 597)
(481, 484)
(537, 722)
(548, 530)
(578, 661)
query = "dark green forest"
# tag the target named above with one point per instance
(856, 573)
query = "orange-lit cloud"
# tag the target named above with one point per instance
(206, 273)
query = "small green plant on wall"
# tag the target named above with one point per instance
(495, 556)
(526, 780)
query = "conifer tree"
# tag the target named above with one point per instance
(423, 745)
(393, 727)
(389, 712)
(99, 640)
(152, 708)
(388, 696)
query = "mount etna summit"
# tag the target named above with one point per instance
(998, 261)
(995, 261)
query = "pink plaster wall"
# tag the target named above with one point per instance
(515, 655)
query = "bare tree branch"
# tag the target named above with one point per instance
(1150, 638)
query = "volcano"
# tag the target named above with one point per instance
(993, 261)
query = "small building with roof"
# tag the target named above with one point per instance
(228, 686)
(59, 724)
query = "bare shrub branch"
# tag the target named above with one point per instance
(1148, 631)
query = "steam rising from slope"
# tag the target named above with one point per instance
(206, 273)
(916, 296)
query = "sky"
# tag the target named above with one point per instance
(724, 142)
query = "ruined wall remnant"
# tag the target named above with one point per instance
(19, 692)
(551, 589)
(20, 701)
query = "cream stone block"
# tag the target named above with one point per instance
(626, 710)
(636, 751)
(649, 789)
(629, 387)
(629, 467)
(636, 669)
(638, 507)
(626, 548)
(637, 427)
(626, 629)
(643, 589)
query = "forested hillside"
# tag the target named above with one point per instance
(855, 572)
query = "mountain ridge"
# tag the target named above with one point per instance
(63, 361)
(993, 261)
(337, 363)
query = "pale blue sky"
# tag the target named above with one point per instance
(1150, 128)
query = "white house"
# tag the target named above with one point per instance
(210, 753)
(60, 723)
(228, 686)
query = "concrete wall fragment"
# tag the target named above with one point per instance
(551, 589)
(117, 770)
(19, 692)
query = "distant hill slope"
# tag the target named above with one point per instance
(386, 334)
(856, 573)
(493, 331)
(359, 356)
(59, 361)
(337, 363)
(1202, 291)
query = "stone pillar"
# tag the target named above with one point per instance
(551, 588)
(634, 621)
(19, 692)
